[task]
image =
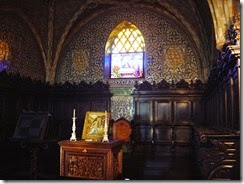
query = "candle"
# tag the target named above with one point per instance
(105, 117)
(74, 113)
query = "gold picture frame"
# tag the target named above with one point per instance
(93, 129)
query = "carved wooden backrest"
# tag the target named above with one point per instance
(121, 130)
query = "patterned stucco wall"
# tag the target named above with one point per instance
(25, 57)
(170, 55)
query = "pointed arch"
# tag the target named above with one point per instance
(125, 52)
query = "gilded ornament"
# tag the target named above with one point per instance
(80, 60)
(174, 57)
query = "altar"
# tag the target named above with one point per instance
(91, 159)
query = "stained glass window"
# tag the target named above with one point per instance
(125, 52)
(4, 54)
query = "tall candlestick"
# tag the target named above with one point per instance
(73, 135)
(105, 136)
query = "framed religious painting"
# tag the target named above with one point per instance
(94, 125)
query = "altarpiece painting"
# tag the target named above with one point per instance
(94, 125)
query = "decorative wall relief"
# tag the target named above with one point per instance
(80, 60)
(177, 66)
(174, 56)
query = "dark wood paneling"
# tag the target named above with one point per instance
(144, 109)
(230, 109)
(148, 138)
(153, 104)
(222, 95)
(19, 94)
(163, 134)
(197, 109)
(142, 133)
(182, 110)
(183, 134)
(1, 107)
(159, 113)
(236, 98)
(163, 111)
(99, 105)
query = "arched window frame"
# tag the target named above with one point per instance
(132, 47)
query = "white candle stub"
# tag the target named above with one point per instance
(74, 113)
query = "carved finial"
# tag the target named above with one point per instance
(231, 35)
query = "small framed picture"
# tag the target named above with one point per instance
(94, 125)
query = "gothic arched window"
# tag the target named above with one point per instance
(125, 52)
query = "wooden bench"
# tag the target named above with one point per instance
(217, 154)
